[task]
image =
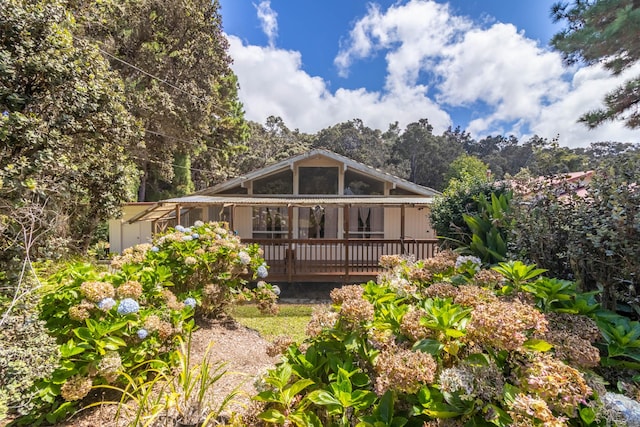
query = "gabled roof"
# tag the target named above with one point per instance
(350, 164)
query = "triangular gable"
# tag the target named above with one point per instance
(349, 163)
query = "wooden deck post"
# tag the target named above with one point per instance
(290, 257)
(402, 227)
(346, 243)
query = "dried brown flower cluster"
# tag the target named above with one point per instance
(81, 312)
(321, 318)
(572, 337)
(171, 300)
(524, 409)
(505, 324)
(279, 345)
(130, 289)
(76, 388)
(472, 296)
(441, 290)
(97, 291)
(391, 261)
(562, 387)
(135, 254)
(410, 325)
(471, 382)
(488, 278)
(403, 370)
(339, 295)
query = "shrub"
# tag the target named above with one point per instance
(24, 344)
(109, 322)
(438, 340)
(593, 239)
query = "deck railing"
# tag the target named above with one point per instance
(335, 260)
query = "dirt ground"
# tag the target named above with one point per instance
(242, 350)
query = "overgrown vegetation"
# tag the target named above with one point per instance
(108, 325)
(443, 339)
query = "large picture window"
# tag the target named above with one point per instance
(318, 180)
(270, 222)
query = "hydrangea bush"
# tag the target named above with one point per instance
(109, 322)
(207, 262)
(444, 342)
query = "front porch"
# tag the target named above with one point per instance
(335, 260)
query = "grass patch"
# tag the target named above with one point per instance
(291, 321)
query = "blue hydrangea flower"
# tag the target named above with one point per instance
(187, 238)
(262, 271)
(154, 249)
(187, 230)
(142, 333)
(5, 114)
(244, 257)
(128, 306)
(180, 228)
(191, 302)
(106, 304)
(195, 236)
(275, 289)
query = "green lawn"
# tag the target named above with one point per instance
(291, 321)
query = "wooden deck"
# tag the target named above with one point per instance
(335, 260)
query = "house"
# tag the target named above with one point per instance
(318, 216)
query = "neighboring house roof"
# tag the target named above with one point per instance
(350, 164)
(577, 183)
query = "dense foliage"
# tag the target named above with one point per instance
(64, 135)
(605, 32)
(442, 340)
(108, 325)
(594, 239)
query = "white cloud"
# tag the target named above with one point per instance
(273, 83)
(434, 60)
(268, 20)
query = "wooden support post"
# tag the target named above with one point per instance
(290, 253)
(346, 243)
(403, 219)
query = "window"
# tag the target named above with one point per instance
(318, 222)
(279, 183)
(366, 222)
(270, 222)
(358, 184)
(318, 180)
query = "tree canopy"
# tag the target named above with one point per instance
(64, 135)
(606, 32)
(173, 59)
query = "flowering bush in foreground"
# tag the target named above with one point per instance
(444, 342)
(107, 323)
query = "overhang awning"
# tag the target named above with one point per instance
(169, 206)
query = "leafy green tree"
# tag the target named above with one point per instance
(354, 140)
(424, 156)
(179, 84)
(464, 171)
(64, 130)
(606, 32)
(268, 144)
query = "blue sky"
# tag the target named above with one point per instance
(483, 65)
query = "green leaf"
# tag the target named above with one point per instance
(587, 415)
(430, 346)
(83, 333)
(323, 397)
(272, 416)
(537, 345)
